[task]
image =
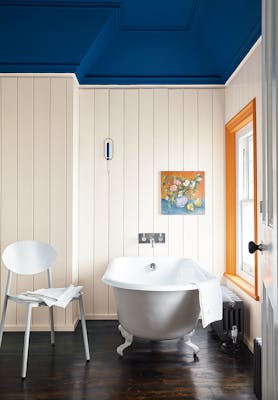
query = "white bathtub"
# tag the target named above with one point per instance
(155, 297)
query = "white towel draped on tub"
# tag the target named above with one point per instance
(210, 298)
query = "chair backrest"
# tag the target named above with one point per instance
(28, 257)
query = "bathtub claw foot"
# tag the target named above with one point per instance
(128, 341)
(194, 347)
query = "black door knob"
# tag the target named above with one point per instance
(252, 247)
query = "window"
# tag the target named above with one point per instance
(241, 199)
(245, 264)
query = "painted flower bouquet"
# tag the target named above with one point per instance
(183, 189)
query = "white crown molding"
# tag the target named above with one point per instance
(151, 86)
(43, 74)
(73, 76)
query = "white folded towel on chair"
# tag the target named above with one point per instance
(59, 297)
(210, 298)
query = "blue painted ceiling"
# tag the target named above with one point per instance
(129, 41)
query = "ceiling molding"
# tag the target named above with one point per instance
(150, 80)
(153, 29)
(60, 3)
(158, 86)
(242, 52)
(243, 62)
(33, 63)
(171, 28)
(99, 45)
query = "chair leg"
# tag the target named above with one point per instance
(26, 341)
(2, 323)
(84, 329)
(52, 334)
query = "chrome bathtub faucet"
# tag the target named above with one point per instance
(153, 266)
(151, 238)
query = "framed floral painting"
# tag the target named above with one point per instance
(183, 192)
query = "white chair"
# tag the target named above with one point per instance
(28, 258)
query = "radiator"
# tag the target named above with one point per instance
(233, 317)
(257, 374)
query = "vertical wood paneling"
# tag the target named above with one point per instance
(246, 85)
(36, 181)
(86, 196)
(161, 147)
(176, 240)
(58, 183)
(153, 130)
(205, 154)
(131, 172)
(9, 159)
(116, 183)
(42, 117)
(101, 294)
(146, 178)
(25, 159)
(190, 163)
(75, 193)
(218, 183)
(69, 191)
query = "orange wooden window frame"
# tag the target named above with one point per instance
(244, 117)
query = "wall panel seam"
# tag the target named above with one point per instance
(212, 176)
(153, 166)
(94, 162)
(139, 164)
(66, 190)
(124, 164)
(198, 167)
(1, 188)
(168, 161)
(49, 162)
(33, 160)
(17, 185)
(183, 220)
(92, 186)
(108, 196)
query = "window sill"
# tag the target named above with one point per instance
(243, 285)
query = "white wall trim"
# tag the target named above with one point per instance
(248, 55)
(107, 317)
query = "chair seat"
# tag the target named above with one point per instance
(34, 299)
(20, 298)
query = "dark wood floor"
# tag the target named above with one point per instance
(148, 371)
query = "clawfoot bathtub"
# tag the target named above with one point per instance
(156, 297)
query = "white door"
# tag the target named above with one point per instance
(269, 215)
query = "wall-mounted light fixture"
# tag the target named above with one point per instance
(108, 149)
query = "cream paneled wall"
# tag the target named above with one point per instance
(245, 85)
(153, 129)
(36, 180)
(56, 185)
